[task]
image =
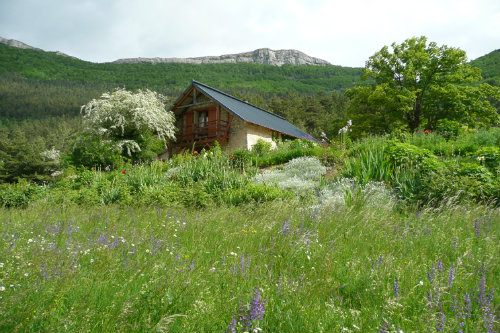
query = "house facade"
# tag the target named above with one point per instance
(204, 115)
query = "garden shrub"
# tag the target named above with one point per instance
(490, 157)
(254, 193)
(449, 129)
(261, 147)
(19, 194)
(241, 158)
(407, 155)
(167, 194)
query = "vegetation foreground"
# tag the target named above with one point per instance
(272, 267)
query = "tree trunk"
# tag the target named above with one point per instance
(414, 117)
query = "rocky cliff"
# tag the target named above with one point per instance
(21, 45)
(259, 56)
(16, 43)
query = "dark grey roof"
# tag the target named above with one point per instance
(251, 113)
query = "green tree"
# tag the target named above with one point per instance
(417, 83)
(126, 124)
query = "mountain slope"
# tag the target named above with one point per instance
(171, 78)
(490, 67)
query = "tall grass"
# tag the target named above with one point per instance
(350, 269)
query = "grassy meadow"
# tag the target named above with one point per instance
(387, 234)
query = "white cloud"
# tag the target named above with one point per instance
(342, 32)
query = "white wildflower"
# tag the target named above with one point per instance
(2, 288)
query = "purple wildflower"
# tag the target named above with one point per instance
(477, 228)
(286, 227)
(232, 326)
(451, 276)
(440, 265)
(467, 305)
(395, 287)
(242, 264)
(256, 306)
(249, 313)
(431, 274)
(440, 321)
(384, 328)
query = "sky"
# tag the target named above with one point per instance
(344, 32)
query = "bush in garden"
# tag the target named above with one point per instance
(20, 194)
(490, 157)
(256, 193)
(449, 129)
(262, 147)
(407, 155)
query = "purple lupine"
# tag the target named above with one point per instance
(467, 305)
(232, 326)
(440, 265)
(455, 242)
(451, 275)
(256, 306)
(395, 287)
(242, 264)
(440, 321)
(431, 274)
(477, 228)
(384, 328)
(285, 229)
(115, 243)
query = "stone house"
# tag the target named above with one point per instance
(205, 115)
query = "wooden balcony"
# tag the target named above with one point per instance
(202, 135)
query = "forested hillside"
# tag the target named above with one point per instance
(172, 78)
(489, 65)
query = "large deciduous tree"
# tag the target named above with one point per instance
(124, 123)
(415, 83)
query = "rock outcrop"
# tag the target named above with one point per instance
(259, 56)
(21, 45)
(16, 43)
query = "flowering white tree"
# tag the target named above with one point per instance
(123, 120)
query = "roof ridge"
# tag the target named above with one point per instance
(226, 94)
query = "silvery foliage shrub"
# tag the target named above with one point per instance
(372, 193)
(299, 174)
(117, 115)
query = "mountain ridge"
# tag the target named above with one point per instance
(263, 56)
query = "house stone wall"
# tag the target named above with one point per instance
(237, 135)
(255, 132)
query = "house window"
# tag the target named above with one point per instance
(202, 118)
